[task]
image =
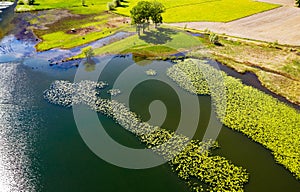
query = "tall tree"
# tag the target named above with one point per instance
(140, 14)
(157, 9)
(145, 11)
(297, 3)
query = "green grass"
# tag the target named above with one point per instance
(171, 42)
(204, 10)
(66, 41)
(293, 67)
(89, 28)
(151, 51)
(92, 7)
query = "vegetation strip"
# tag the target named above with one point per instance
(259, 116)
(194, 160)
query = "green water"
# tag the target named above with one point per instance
(41, 149)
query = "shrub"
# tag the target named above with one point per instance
(214, 38)
(88, 52)
(20, 2)
(31, 2)
(110, 6)
(117, 3)
(297, 2)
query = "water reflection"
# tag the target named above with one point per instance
(89, 65)
(18, 130)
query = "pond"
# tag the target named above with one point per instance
(41, 149)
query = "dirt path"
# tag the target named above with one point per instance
(281, 24)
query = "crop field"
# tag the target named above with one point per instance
(203, 10)
(177, 10)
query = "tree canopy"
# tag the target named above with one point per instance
(145, 11)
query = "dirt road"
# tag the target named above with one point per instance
(281, 24)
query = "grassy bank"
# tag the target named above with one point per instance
(69, 30)
(91, 6)
(259, 116)
(155, 43)
(276, 66)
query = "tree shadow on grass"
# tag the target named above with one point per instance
(159, 36)
(124, 6)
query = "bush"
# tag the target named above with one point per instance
(110, 6)
(297, 2)
(117, 3)
(214, 38)
(31, 2)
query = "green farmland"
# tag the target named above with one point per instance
(177, 11)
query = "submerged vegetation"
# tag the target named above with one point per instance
(261, 117)
(188, 159)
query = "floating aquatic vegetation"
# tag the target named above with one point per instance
(114, 92)
(151, 72)
(66, 94)
(193, 160)
(259, 116)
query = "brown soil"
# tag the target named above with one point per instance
(82, 31)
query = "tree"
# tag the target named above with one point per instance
(89, 63)
(110, 6)
(214, 38)
(298, 3)
(140, 15)
(31, 2)
(157, 9)
(145, 11)
(88, 53)
(117, 3)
